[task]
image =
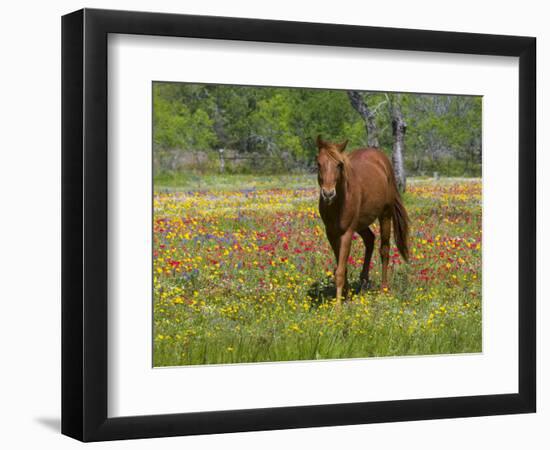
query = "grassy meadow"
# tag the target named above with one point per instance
(243, 272)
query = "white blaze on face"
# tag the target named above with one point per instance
(329, 173)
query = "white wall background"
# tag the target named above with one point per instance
(30, 225)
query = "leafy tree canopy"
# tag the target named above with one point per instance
(280, 124)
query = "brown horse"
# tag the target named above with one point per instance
(357, 189)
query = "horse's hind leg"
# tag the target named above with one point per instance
(385, 232)
(368, 240)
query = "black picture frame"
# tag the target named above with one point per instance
(84, 224)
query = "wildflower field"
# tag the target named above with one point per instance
(243, 273)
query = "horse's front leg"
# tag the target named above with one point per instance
(343, 255)
(334, 240)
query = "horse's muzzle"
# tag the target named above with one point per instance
(328, 195)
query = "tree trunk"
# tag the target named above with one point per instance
(399, 128)
(368, 116)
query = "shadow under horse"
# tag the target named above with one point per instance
(325, 291)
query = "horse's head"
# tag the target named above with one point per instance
(330, 168)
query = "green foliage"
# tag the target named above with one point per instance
(280, 125)
(445, 132)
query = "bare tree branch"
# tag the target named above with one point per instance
(369, 117)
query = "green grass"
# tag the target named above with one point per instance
(243, 273)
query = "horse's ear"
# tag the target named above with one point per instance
(342, 146)
(320, 143)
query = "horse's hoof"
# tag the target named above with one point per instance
(366, 285)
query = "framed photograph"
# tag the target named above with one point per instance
(273, 225)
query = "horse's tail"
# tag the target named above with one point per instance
(400, 221)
